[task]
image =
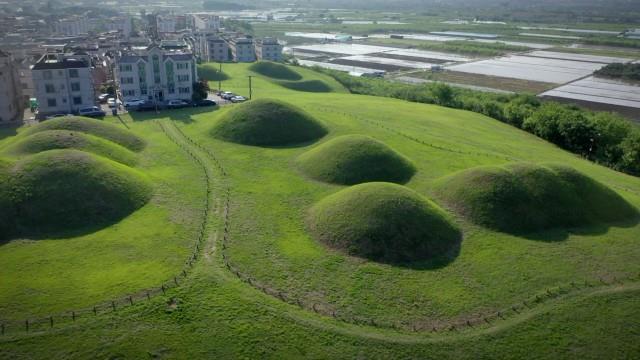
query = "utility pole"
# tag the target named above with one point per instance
(250, 89)
(219, 79)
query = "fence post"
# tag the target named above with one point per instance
(73, 315)
(162, 287)
(148, 296)
(2, 328)
(95, 311)
(131, 299)
(26, 324)
(175, 279)
(113, 305)
(51, 320)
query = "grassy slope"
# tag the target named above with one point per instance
(147, 247)
(218, 316)
(65, 139)
(354, 159)
(269, 240)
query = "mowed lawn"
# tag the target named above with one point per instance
(215, 315)
(47, 276)
(271, 197)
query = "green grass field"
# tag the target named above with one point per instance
(522, 296)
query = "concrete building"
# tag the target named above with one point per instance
(165, 24)
(269, 49)
(156, 74)
(242, 50)
(217, 50)
(63, 83)
(203, 22)
(121, 24)
(72, 26)
(11, 100)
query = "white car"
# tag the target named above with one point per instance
(91, 111)
(237, 99)
(177, 104)
(113, 102)
(133, 102)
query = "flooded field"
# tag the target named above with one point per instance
(599, 90)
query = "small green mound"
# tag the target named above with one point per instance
(267, 122)
(65, 191)
(7, 210)
(354, 159)
(93, 127)
(210, 72)
(383, 222)
(523, 198)
(274, 70)
(306, 85)
(66, 139)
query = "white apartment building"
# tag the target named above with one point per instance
(269, 49)
(156, 75)
(63, 83)
(72, 26)
(11, 100)
(217, 50)
(242, 50)
(122, 24)
(203, 22)
(165, 24)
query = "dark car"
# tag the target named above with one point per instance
(177, 104)
(91, 111)
(205, 102)
(146, 106)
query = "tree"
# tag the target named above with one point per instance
(200, 90)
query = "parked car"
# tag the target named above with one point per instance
(177, 104)
(204, 102)
(103, 98)
(227, 95)
(146, 106)
(237, 99)
(112, 102)
(56, 116)
(91, 111)
(133, 103)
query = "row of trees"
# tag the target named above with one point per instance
(472, 47)
(621, 71)
(602, 137)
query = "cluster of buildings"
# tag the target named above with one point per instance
(60, 65)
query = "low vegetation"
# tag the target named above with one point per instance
(621, 71)
(472, 48)
(94, 127)
(68, 191)
(268, 122)
(383, 222)
(602, 137)
(522, 198)
(354, 159)
(67, 139)
(274, 70)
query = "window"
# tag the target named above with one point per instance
(172, 89)
(47, 75)
(51, 103)
(75, 86)
(143, 90)
(184, 90)
(129, 93)
(126, 80)
(183, 78)
(126, 67)
(73, 73)
(49, 88)
(77, 100)
(156, 69)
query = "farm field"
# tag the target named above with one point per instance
(494, 82)
(272, 286)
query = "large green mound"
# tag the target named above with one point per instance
(521, 198)
(306, 85)
(64, 191)
(383, 222)
(267, 122)
(93, 127)
(274, 70)
(66, 139)
(354, 159)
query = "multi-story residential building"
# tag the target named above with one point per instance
(11, 100)
(269, 49)
(165, 24)
(72, 26)
(156, 74)
(242, 50)
(203, 22)
(217, 49)
(63, 83)
(122, 24)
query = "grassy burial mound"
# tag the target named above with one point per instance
(66, 139)
(306, 85)
(266, 122)
(521, 198)
(93, 127)
(68, 190)
(211, 72)
(354, 159)
(7, 210)
(383, 222)
(274, 70)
